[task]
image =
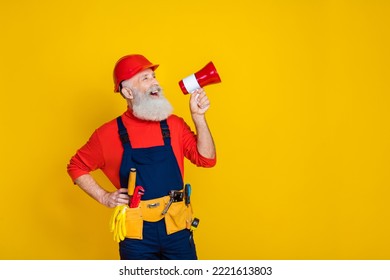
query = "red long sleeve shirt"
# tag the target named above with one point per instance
(104, 148)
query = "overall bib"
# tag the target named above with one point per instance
(158, 173)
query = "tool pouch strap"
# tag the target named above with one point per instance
(178, 217)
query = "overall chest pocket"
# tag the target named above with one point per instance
(150, 156)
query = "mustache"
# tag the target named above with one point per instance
(154, 89)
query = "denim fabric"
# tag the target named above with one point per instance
(157, 245)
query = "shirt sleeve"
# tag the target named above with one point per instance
(191, 151)
(88, 158)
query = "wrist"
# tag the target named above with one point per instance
(198, 118)
(104, 198)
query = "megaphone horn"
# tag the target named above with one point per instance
(206, 76)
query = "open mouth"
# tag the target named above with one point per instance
(154, 92)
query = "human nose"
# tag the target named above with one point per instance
(155, 82)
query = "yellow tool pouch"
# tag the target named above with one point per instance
(152, 209)
(134, 223)
(178, 217)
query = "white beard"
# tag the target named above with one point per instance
(146, 107)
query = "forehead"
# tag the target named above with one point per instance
(147, 71)
(138, 77)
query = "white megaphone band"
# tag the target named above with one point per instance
(191, 83)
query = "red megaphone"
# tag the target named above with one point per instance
(206, 76)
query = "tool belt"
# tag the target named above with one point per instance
(177, 217)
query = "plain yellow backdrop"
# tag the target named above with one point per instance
(300, 120)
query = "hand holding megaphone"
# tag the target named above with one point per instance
(206, 76)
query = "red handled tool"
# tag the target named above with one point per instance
(138, 193)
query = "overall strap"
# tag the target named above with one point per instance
(123, 133)
(126, 157)
(165, 132)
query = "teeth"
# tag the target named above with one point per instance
(154, 91)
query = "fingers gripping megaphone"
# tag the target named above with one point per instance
(206, 76)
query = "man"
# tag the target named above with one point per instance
(149, 138)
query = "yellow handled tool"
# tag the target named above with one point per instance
(131, 184)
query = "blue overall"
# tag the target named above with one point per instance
(158, 173)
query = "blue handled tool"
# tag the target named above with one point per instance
(187, 194)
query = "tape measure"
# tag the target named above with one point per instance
(194, 224)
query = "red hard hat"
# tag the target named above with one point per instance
(128, 66)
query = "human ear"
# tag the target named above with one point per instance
(127, 93)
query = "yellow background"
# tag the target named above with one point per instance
(300, 120)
